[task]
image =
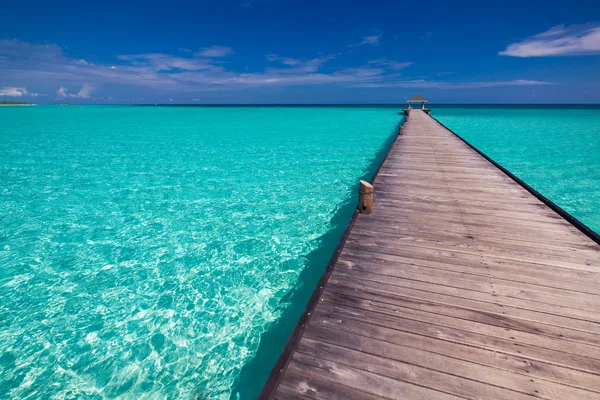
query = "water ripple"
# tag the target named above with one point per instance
(145, 251)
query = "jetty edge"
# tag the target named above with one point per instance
(272, 382)
(461, 283)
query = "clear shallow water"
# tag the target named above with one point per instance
(145, 251)
(554, 149)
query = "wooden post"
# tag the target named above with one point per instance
(401, 130)
(365, 200)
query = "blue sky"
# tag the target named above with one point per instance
(290, 51)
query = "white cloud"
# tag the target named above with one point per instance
(84, 92)
(283, 60)
(372, 40)
(13, 91)
(164, 62)
(46, 67)
(554, 31)
(393, 65)
(295, 65)
(421, 83)
(560, 40)
(12, 48)
(215, 51)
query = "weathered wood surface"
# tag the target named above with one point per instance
(459, 285)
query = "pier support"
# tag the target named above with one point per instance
(365, 201)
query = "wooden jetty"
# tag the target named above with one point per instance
(461, 284)
(416, 99)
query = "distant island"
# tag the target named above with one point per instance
(15, 103)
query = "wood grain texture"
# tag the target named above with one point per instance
(460, 284)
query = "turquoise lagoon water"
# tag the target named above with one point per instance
(554, 149)
(167, 252)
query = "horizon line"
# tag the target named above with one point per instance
(304, 104)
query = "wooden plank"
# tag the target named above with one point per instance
(562, 277)
(444, 373)
(525, 212)
(286, 393)
(445, 197)
(411, 326)
(521, 242)
(390, 361)
(305, 385)
(484, 284)
(508, 273)
(511, 221)
(491, 313)
(580, 273)
(468, 290)
(588, 262)
(462, 283)
(472, 231)
(505, 354)
(374, 385)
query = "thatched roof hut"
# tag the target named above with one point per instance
(417, 99)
